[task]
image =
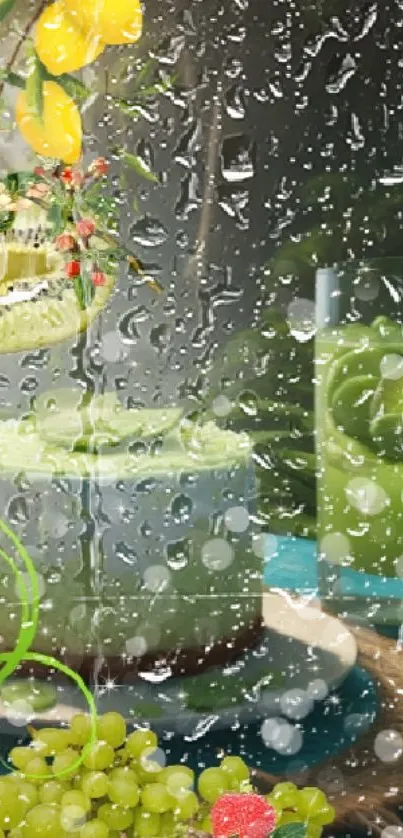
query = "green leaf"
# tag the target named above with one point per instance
(290, 830)
(6, 220)
(79, 289)
(74, 87)
(137, 164)
(55, 218)
(6, 7)
(12, 78)
(34, 88)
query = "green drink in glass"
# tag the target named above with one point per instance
(359, 434)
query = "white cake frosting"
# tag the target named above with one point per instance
(170, 563)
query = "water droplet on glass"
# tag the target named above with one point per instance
(178, 554)
(17, 510)
(237, 158)
(156, 578)
(149, 232)
(248, 402)
(388, 745)
(127, 328)
(237, 519)
(302, 319)
(217, 554)
(181, 509)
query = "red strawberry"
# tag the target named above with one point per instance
(243, 815)
(85, 228)
(98, 278)
(65, 242)
(73, 269)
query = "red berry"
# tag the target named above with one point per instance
(85, 228)
(98, 278)
(67, 176)
(99, 167)
(73, 269)
(244, 815)
(65, 242)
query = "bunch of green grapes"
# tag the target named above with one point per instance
(119, 788)
(308, 805)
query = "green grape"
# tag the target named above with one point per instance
(12, 809)
(313, 806)
(14, 833)
(51, 791)
(80, 729)
(94, 784)
(286, 795)
(187, 807)
(75, 797)
(94, 829)
(178, 779)
(122, 757)
(313, 830)
(37, 770)
(139, 740)
(28, 794)
(212, 784)
(43, 821)
(325, 817)
(64, 763)
(116, 817)
(54, 739)
(206, 825)
(289, 817)
(310, 800)
(77, 779)
(123, 773)
(99, 756)
(156, 798)
(236, 770)
(72, 817)
(20, 757)
(144, 777)
(275, 804)
(123, 791)
(168, 825)
(112, 729)
(146, 824)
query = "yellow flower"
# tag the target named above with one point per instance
(114, 21)
(59, 133)
(61, 45)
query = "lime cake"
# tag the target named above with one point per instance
(139, 525)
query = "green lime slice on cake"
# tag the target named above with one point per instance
(39, 695)
(38, 304)
(65, 419)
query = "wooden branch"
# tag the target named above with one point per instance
(21, 40)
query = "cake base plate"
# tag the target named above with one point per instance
(308, 651)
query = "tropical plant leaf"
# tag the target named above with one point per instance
(290, 830)
(6, 6)
(140, 167)
(34, 88)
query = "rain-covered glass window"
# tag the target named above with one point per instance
(193, 196)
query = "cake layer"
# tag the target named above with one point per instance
(145, 555)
